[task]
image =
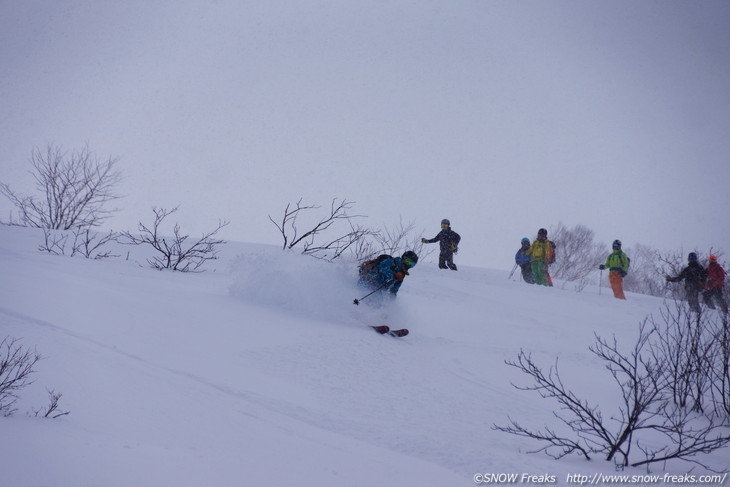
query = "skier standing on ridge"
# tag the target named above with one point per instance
(540, 252)
(523, 260)
(449, 242)
(618, 265)
(715, 281)
(694, 276)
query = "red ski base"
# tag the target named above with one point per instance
(383, 329)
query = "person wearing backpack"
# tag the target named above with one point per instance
(449, 245)
(618, 266)
(523, 260)
(714, 286)
(539, 253)
(387, 272)
(694, 277)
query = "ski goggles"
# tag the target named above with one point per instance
(409, 262)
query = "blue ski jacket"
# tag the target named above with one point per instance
(384, 273)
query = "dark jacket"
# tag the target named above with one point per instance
(448, 240)
(694, 276)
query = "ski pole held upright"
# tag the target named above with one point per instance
(513, 271)
(600, 283)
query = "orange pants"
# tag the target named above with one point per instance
(614, 277)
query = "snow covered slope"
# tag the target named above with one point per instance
(262, 372)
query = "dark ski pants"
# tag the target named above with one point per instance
(693, 299)
(527, 273)
(716, 293)
(446, 260)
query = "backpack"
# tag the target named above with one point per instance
(368, 265)
(551, 255)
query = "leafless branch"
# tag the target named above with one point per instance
(16, 368)
(52, 411)
(74, 189)
(311, 236)
(173, 252)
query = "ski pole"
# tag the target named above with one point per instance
(357, 301)
(513, 271)
(600, 283)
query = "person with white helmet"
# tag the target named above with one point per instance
(449, 243)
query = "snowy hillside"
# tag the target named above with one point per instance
(262, 372)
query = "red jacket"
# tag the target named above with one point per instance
(715, 276)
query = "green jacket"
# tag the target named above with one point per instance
(618, 261)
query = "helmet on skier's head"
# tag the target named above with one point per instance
(445, 222)
(692, 257)
(617, 244)
(410, 258)
(713, 258)
(542, 233)
(525, 240)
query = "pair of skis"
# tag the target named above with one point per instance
(383, 329)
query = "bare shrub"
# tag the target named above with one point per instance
(85, 242)
(653, 413)
(52, 410)
(16, 368)
(392, 240)
(576, 254)
(175, 252)
(315, 235)
(645, 274)
(74, 188)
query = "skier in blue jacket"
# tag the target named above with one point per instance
(524, 261)
(389, 272)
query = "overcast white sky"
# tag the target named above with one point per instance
(504, 116)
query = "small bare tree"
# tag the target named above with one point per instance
(647, 408)
(577, 255)
(645, 275)
(16, 368)
(311, 236)
(393, 241)
(175, 252)
(74, 189)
